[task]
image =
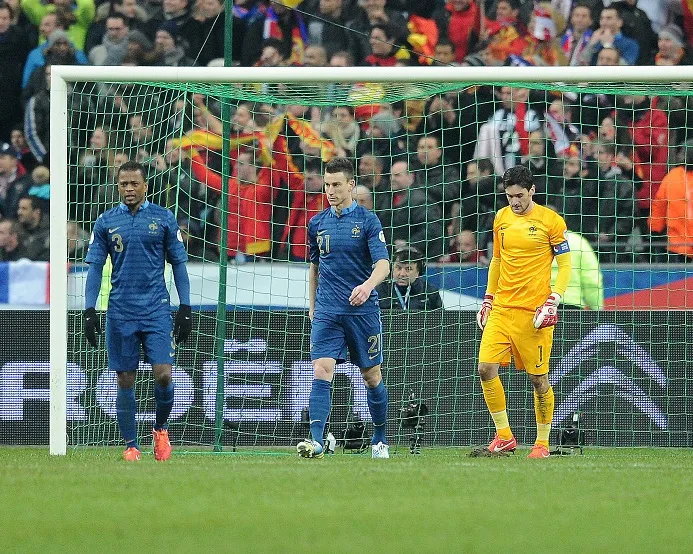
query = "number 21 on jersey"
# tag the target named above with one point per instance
(323, 243)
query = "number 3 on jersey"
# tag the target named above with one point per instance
(323, 241)
(118, 240)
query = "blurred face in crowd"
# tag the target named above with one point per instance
(313, 182)
(174, 6)
(132, 188)
(270, 57)
(128, 8)
(315, 56)
(608, 56)
(246, 172)
(466, 243)
(8, 163)
(460, 5)
(330, 7)
(140, 132)
(363, 196)
(8, 239)
(119, 159)
(373, 5)
(49, 23)
(610, 20)
(172, 153)
(338, 189)
(505, 12)
(380, 42)
(581, 19)
(209, 8)
(519, 198)
(607, 130)
(667, 47)
(444, 54)
(116, 29)
(536, 144)
(339, 61)
(367, 165)
(342, 116)
(164, 42)
(427, 151)
(405, 273)
(473, 173)
(571, 167)
(605, 157)
(27, 215)
(400, 178)
(558, 111)
(242, 118)
(18, 140)
(98, 139)
(5, 20)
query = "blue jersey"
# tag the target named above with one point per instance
(139, 246)
(345, 248)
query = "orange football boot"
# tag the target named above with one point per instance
(162, 446)
(499, 445)
(131, 454)
(539, 451)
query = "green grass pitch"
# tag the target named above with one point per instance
(609, 500)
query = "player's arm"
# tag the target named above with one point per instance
(492, 281)
(547, 314)
(314, 257)
(176, 254)
(96, 258)
(381, 267)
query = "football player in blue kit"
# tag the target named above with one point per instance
(139, 237)
(348, 259)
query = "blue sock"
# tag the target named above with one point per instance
(319, 408)
(164, 403)
(377, 405)
(126, 406)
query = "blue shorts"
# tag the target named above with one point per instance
(331, 335)
(124, 337)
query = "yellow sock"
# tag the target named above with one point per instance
(543, 409)
(494, 395)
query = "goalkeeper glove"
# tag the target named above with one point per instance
(183, 325)
(485, 311)
(547, 315)
(92, 326)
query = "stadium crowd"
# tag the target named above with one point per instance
(428, 167)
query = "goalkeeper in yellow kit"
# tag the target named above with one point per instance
(520, 308)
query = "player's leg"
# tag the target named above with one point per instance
(123, 347)
(364, 335)
(160, 351)
(327, 346)
(494, 350)
(534, 346)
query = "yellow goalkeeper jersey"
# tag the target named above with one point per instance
(526, 245)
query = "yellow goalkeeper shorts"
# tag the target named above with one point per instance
(510, 332)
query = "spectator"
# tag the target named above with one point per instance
(10, 172)
(140, 48)
(444, 53)
(370, 13)
(135, 17)
(371, 173)
(609, 35)
(443, 119)
(175, 18)
(671, 206)
(637, 25)
(14, 48)
(245, 14)
(407, 289)
(363, 196)
(408, 216)
(49, 23)
(343, 131)
(10, 243)
(505, 35)
(114, 44)
(77, 242)
(505, 137)
(211, 17)
(327, 27)
(168, 48)
(463, 248)
(24, 155)
(442, 182)
(460, 23)
(559, 126)
(578, 34)
(81, 11)
(383, 41)
(315, 56)
(672, 49)
(33, 219)
(543, 48)
(342, 59)
(282, 24)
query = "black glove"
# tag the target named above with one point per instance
(92, 326)
(183, 325)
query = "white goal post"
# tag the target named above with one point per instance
(682, 76)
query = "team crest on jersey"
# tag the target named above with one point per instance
(533, 231)
(356, 231)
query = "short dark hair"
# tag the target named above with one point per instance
(445, 42)
(519, 175)
(278, 44)
(485, 165)
(36, 202)
(410, 255)
(132, 165)
(344, 165)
